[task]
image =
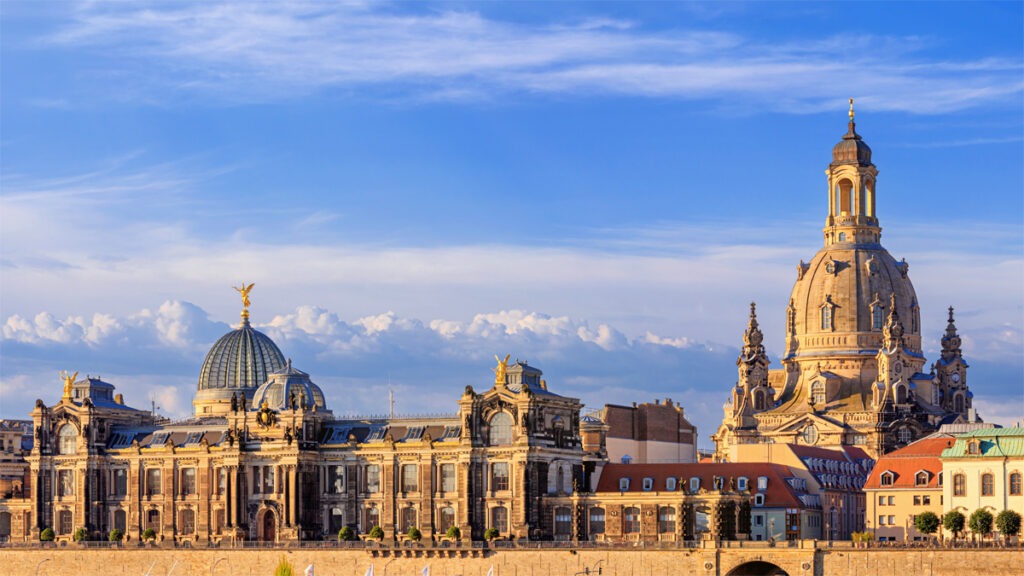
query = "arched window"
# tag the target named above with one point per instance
(901, 397)
(596, 521)
(499, 519)
(959, 485)
(666, 520)
(372, 519)
(408, 518)
(1015, 484)
(877, 317)
(501, 429)
(869, 207)
(631, 520)
(826, 317)
(120, 520)
(563, 521)
(188, 522)
(958, 403)
(987, 485)
(758, 401)
(67, 439)
(818, 393)
(904, 435)
(921, 478)
(842, 236)
(446, 518)
(844, 190)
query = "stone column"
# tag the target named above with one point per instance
(293, 494)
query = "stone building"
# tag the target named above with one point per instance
(853, 372)
(263, 458)
(649, 433)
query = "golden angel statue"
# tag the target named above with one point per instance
(499, 371)
(244, 291)
(69, 381)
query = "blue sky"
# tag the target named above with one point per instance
(413, 187)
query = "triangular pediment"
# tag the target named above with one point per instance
(801, 421)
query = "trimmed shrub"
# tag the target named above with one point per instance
(115, 535)
(981, 522)
(148, 534)
(491, 534)
(346, 534)
(284, 568)
(377, 533)
(1008, 523)
(47, 535)
(414, 534)
(927, 523)
(454, 533)
(954, 522)
(80, 535)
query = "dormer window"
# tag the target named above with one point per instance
(694, 484)
(973, 447)
(887, 478)
(623, 484)
(741, 483)
(921, 478)
(762, 483)
(670, 484)
(648, 484)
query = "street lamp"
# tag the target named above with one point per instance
(41, 563)
(218, 561)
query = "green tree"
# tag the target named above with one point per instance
(346, 533)
(47, 535)
(981, 522)
(954, 522)
(1008, 523)
(284, 568)
(115, 535)
(454, 533)
(377, 533)
(491, 534)
(80, 535)
(414, 534)
(927, 523)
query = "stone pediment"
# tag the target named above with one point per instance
(799, 422)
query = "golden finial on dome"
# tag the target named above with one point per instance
(244, 291)
(851, 109)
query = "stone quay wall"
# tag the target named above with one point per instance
(514, 562)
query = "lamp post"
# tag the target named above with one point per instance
(41, 563)
(218, 561)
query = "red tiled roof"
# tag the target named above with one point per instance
(906, 462)
(779, 493)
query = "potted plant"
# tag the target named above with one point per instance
(376, 533)
(346, 534)
(491, 534)
(80, 535)
(414, 534)
(454, 533)
(149, 535)
(47, 535)
(115, 535)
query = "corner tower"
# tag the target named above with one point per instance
(852, 365)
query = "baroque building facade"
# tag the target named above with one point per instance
(264, 459)
(853, 371)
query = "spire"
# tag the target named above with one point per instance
(951, 340)
(892, 332)
(752, 337)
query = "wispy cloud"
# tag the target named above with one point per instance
(256, 52)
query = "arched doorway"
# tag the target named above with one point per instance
(269, 527)
(757, 568)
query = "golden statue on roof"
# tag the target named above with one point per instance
(69, 381)
(244, 291)
(499, 371)
(851, 109)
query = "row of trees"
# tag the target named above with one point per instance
(414, 534)
(980, 522)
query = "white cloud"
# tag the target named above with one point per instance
(246, 51)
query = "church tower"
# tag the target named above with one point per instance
(852, 368)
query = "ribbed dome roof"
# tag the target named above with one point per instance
(241, 359)
(851, 149)
(281, 387)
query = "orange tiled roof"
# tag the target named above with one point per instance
(779, 493)
(906, 462)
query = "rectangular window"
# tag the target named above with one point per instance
(188, 481)
(373, 478)
(695, 483)
(959, 485)
(762, 483)
(65, 522)
(563, 521)
(670, 484)
(268, 479)
(448, 477)
(648, 484)
(120, 483)
(666, 520)
(65, 483)
(631, 521)
(881, 520)
(892, 500)
(881, 500)
(218, 521)
(987, 484)
(499, 476)
(597, 520)
(153, 479)
(917, 500)
(741, 484)
(410, 480)
(926, 500)
(222, 480)
(758, 520)
(336, 479)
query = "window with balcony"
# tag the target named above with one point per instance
(499, 519)
(666, 520)
(563, 521)
(372, 519)
(188, 522)
(631, 520)
(408, 519)
(446, 518)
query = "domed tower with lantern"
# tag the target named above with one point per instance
(852, 369)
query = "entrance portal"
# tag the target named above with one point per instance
(757, 568)
(269, 526)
